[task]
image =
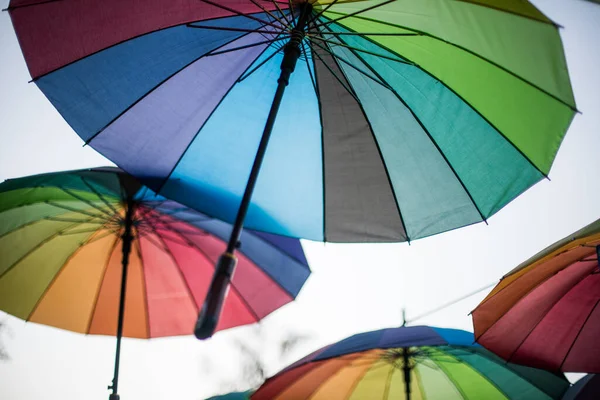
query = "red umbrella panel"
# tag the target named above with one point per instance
(546, 313)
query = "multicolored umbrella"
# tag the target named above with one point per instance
(418, 362)
(94, 251)
(403, 119)
(546, 312)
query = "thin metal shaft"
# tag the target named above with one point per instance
(209, 314)
(127, 240)
(406, 370)
(292, 53)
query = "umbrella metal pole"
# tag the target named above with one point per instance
(406, 370)
(127, 239)
(211, 309)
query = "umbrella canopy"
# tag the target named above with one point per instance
(545, 313)
(61, 244)
(402, 119)
(94, 251)
(587, 388)
(437, 363)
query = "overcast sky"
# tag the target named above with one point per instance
(354, 288)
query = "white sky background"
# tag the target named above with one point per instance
(354, 288)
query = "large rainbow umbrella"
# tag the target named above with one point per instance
(417, 362)
(546, 312)
(94, 251)
(402, 118)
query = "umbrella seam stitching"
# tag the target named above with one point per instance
(34, 79)
(541, 318)
(578, 333)
(433, 141)
(487, 60)
(183, 153)
(101, 284)
(376, 142)
(177, 267)
(520, 298)
(57, 274)
(463, 100)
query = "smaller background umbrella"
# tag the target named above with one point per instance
(95, 252)
(545, 313)
(436, 363)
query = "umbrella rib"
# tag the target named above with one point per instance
(246, 75)
(269, 41)
(159, 84)
(166, 248)
(319, 25)
(349, 364)
(464, 101)
(101, 282)
(316, 17)
(57, 205)
(485, 377)
(59, 219)
(388, 383)
(159, 188)
(320, 105)
(233, 287)
(330, 42)
(107, 233)
(373, 34)
(241, 14)
(86, 201)
(350, 91)
(283, 15)
(291, 8)
(36, 247)
(452, 382)
(387, 172)
(55, 277)
(539, 283)
(194, 245)
(354, 67)
(97, 193)
(578, 333)
(166, 227)
(541, 317)
(485, 59)
(284, 24)
(310, 72)
(419, 383)
(76, 232)
(550, 22)
(225, 28)
(34, 79)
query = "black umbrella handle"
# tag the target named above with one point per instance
(215, 298)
